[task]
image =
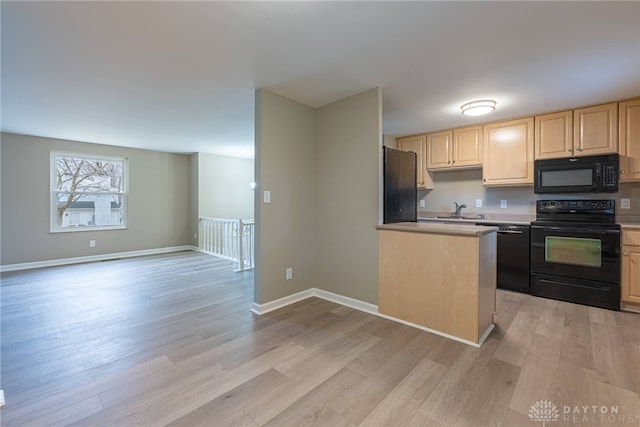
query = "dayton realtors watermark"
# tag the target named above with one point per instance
(546, 411)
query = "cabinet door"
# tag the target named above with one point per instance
(630, 140)
(554, 135)
(595, 130)
(631, 274)
(508, 153)
(416, 143)
(467, 147)
(439, 150)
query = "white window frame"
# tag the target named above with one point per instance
(53, 215)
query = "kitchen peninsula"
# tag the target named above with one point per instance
(439, 277)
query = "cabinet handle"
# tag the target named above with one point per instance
(453, 161)
(625, 253)
(570, 151)
(579, 148)
(622, 172)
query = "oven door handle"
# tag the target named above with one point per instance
(575, 230)
(509, 232)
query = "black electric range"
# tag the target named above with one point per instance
(575, 252)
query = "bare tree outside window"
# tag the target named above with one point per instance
(88, 191)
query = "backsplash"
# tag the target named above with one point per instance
(465, 186)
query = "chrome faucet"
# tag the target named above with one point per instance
(459, 209)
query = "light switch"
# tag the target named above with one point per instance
(478, 203)
(503, 204)
(267, 196)
(422, 204)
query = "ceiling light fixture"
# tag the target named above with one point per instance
(478, 108)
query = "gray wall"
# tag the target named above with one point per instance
(323, 170)
(465, 186)
(285, 165)
(159, 202)
(348, 163)
(223, 186)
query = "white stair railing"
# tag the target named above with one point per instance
(230, 239)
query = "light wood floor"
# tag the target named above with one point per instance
(169, 340)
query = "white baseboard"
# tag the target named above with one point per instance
(634, 308)
(265, 308)
(346, 301)
(90, 258)
(366, 307)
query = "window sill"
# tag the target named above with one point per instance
(82, 229)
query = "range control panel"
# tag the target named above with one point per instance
(575, 205)
(590, 211)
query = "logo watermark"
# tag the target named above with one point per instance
(546, 411)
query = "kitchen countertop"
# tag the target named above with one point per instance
(630, 226)
(631, 222)
(468, 229)
(514, 221)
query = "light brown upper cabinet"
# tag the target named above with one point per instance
(554, 135)
(417, 144)
(582, 132)
(439, 147)
(508, 153)
(457, 148)
(595, 130)
(629, 148)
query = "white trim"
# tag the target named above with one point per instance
(267, 307)
(88, 228)
(485, 335)
(634, 308)
(366, 307)
(90, 258)
(442, 334)
(124, 194)
(346, 301)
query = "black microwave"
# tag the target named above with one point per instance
(591, 174)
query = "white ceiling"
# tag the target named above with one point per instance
(180, 76)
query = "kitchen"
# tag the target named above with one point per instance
(574, 243)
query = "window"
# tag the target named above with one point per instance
(88, 192)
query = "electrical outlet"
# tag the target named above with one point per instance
(267, 196)
(195, 236)
(503, 204)
(478, 203)
(289, 273)
(92, 243)
(625, 203)
(423, 203)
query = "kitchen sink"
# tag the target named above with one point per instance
(462, 217)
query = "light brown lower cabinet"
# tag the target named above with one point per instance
(446, 283)
(631, 266)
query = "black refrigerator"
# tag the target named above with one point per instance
(400, 188)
